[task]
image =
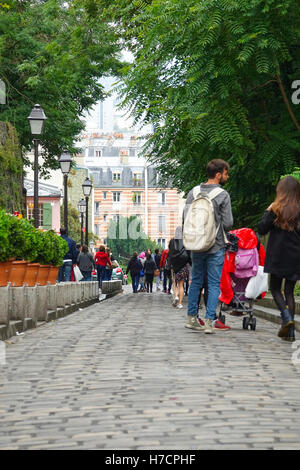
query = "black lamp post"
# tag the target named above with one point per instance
(81, 210)
(36, 119)
(65, 165)
(87, 188)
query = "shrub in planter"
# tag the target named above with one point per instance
(24, 239)
(5, 247)
(53, 248)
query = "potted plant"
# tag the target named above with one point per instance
(5, 247)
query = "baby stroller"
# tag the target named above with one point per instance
(244, 254)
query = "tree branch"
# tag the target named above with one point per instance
(285, 99)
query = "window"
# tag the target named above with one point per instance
(161, 198)
(124, 153)
(97, 209)
(116, 177)
(116, 197)
(161, 223)
(104, 194)
(105, 218)
(98, 153)
(137, 199)
(137, 179)
(96, 230)
(30, 213)
(116, 218)
(161, 242)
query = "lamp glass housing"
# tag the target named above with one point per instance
(65, 163)
(36, 119)
(87, 187)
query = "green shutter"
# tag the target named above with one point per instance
(47, 216)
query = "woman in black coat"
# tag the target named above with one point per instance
(282, 220)
(134, 266)
(149, 268)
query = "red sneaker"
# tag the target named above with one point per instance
(218, 325)
(201, 321)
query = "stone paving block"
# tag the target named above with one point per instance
(116, 374)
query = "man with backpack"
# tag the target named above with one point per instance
(207, 216)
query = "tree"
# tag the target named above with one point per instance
(53, 53)
(214, 78)
(74, 225)
(126, 236)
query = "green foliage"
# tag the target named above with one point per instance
(20, 240)
(74, 225)
(295, 173)
(214, 78)
(53, 53)
(126, 236)
(53, 248)
(11, 169)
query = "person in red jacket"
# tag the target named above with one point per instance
(166, 273)
(102, 259)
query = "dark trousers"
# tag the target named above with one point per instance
(100, 274)
(165, 281)
(149, 282)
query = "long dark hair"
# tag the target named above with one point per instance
(287, 204)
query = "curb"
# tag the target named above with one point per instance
(273, 315)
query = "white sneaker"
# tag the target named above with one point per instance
(209, 327)
(175, 302)
(179, 306)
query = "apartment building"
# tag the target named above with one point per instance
(124, 184)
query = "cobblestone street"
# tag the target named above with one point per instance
(126, 374)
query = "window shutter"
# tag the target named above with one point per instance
(47, 216)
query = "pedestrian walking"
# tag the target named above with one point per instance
(282, 220)
(142, 259)
(149, 268)
(70, 258)
(134, 266)
(86, 263)
(180, 263)
(207, 249)
(167, 281)
(157, 258)
(109, 267)
(101, 259)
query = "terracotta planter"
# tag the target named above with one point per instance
(31, 274)
(5, 268)
(17, 273)
(42, 277)
(53, 273)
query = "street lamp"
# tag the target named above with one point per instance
(36, 119)
(87, 188)
(65, 165)
(81, 210)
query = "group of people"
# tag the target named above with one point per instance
(203, 267)
(102, 262)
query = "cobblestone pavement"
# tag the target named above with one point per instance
(126, 374)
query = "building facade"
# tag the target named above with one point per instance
(49, 197)
(124, 184)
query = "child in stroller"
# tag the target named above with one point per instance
(243, 255)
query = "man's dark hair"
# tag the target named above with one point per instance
(216, 166)
(157, 251)
(63, 231)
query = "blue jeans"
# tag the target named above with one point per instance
(100, 274)
(107, 275)
(135, 282)
(65, 271)
(213, 265)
